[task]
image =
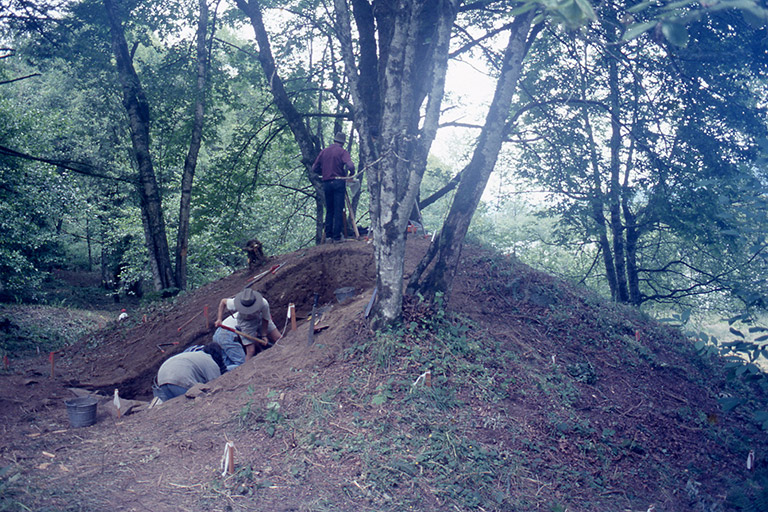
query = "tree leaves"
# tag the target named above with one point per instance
(675, 32)
(672, 19)
(730, 403)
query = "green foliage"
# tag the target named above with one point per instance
(672, 19)
(740, 356)
(248, 181)
(694, 191)
(11, 489)
(25, 330)
(33, 199)
(750, 495)
(269, 417)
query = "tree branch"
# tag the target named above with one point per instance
(3, 82)
(70, 165)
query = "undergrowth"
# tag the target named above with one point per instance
(408, 413)
(11, 489)
(28, 329)
(419, 420)
(422, 448)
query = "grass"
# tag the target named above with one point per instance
(386, 441)
(417, 447)
(12, 490)
(27, 329)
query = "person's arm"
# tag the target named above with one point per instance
(268, 326)
(274, 336)
(348, 163)
(272, 333)
(220, 315)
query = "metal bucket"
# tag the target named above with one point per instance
(81, 411)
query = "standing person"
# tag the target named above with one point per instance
(332, 164)
(180, 372)
(252, 316)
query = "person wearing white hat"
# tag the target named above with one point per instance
(252, 316)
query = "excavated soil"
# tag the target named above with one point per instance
(632, 385)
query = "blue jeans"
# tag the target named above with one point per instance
(234, 353)
(167, 391)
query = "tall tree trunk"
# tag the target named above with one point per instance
(597, 202)
(413, 41)
(446, 250)
(308, 146)
(631, 229)
(88, 243)
(190, 162)
(604, 244)
(617, 227)
(137, 108)
(633, 235)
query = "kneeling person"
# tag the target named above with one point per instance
(182, 371)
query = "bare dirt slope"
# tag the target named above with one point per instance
(544, 398)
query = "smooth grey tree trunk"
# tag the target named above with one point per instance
(437, 269)
(597, 201)
(617, 226)
(413, 39)
(190, 162)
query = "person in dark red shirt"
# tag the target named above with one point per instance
(332, 164)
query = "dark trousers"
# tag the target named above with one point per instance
(335, 191)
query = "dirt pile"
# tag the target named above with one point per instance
(543, 397)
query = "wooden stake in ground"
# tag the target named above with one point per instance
(228, 461)
(425, 379)
(50, 357)
(351, 215)
(6, 363)
(117, 403)
(291, 315)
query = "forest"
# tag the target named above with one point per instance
(555, 299)
(624, 141)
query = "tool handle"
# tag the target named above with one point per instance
(312, 320)
(246, 336)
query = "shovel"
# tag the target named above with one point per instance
(246, 336)
(311, 335)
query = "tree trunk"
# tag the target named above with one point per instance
(597, 202)
(449, 242)
(88, 243)
(633, 279)
(617, 227)
(413, 41)
(137, 108)
(307, 145)
(602, 241)
(190, 163)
